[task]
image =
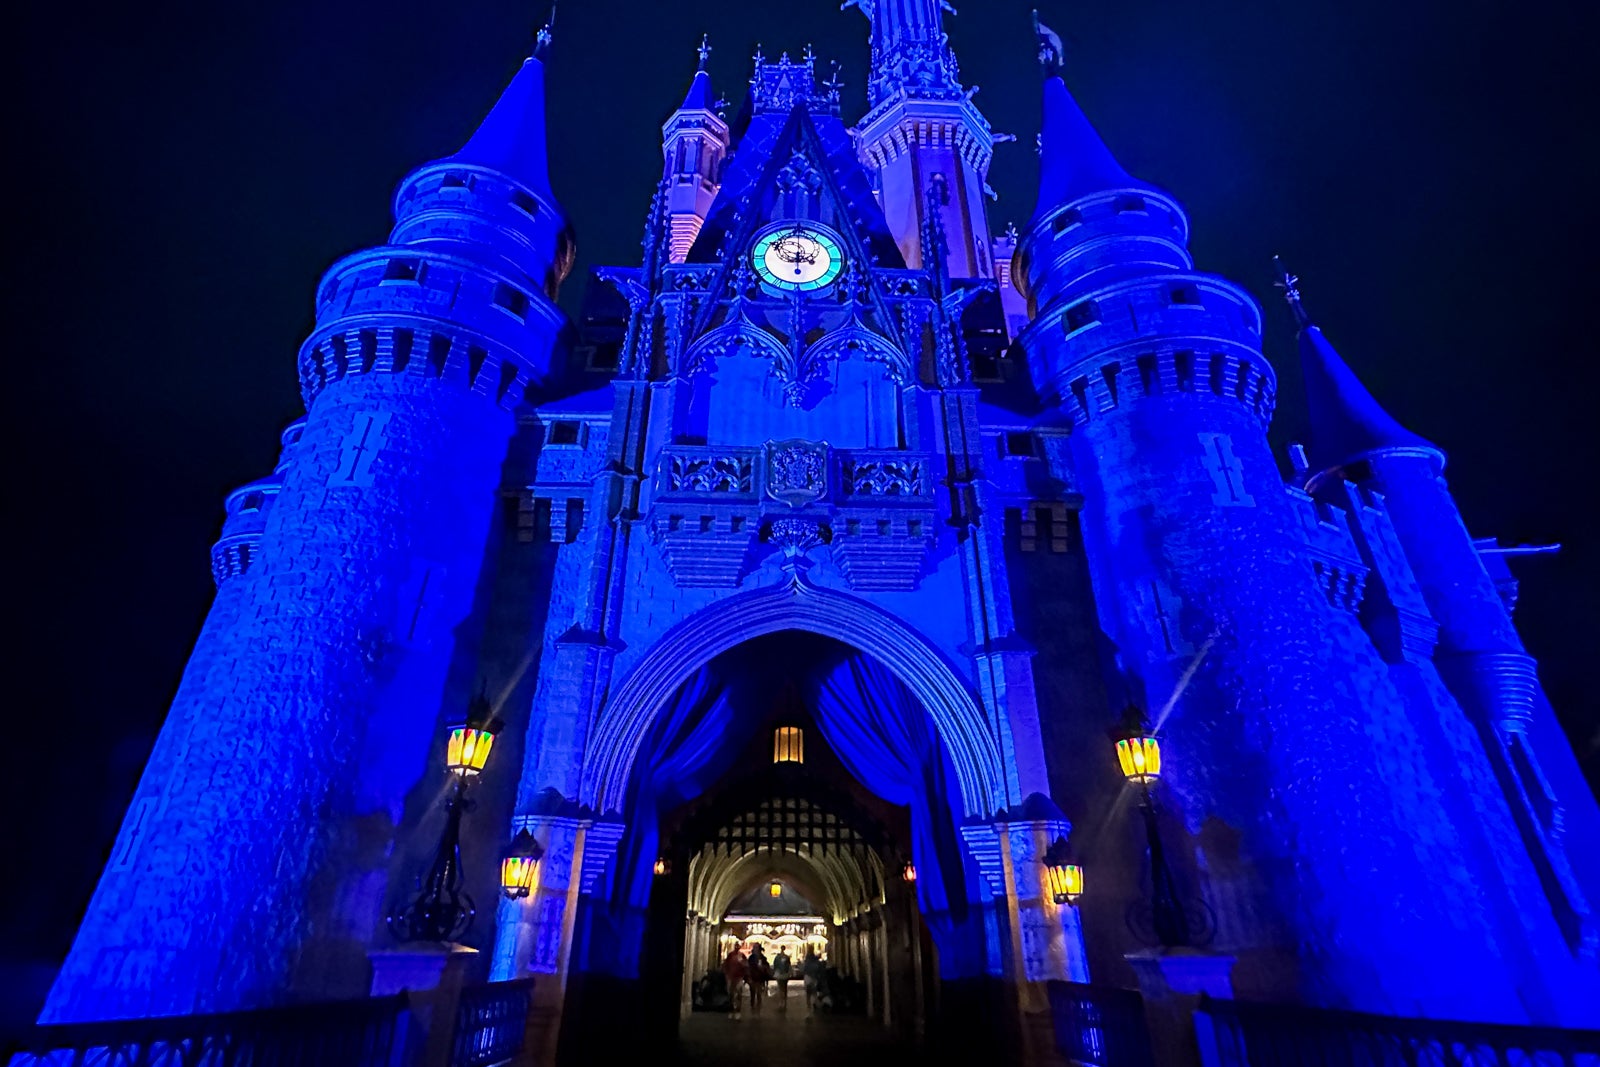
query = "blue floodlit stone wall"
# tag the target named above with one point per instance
(1342, 817)
(254, 864)
(1364, 780)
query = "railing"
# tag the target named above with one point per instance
(1236, 1034)
(371, 1032)
(1100, 1025)
(491, 1021)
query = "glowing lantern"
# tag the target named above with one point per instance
(471, 740)
(519, 865)
(775, 889)
(662, 866)
(1064, 876)
(788, 745)
(1138, 750)
(909, 873)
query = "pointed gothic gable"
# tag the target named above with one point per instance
(779, 149)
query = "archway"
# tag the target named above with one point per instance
(799, 606)
(876, 757)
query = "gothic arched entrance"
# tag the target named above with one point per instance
(795, 857)
(704, 799)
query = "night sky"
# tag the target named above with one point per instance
(184, 172)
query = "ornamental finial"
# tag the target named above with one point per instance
(704, 49)
(542, 39)
(1052, 53)
(1290, 284)
(834, 83)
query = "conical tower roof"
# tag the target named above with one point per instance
(511, 138)
(698, 98)
(1347, 422)
(1074, 161)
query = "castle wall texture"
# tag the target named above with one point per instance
(1367, 799)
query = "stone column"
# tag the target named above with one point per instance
(432, 975)
(1172, 981)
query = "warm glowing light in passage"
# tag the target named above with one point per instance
(788, 745)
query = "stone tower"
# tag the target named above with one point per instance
(1230, 596)
(921, 121)
(795, 441)
(251, 866)
(694, 143)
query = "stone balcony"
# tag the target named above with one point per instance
(712, 509)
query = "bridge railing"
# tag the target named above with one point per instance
(369, 1032)
(1099, 1025)
(487, 1028)
(1241, 1034)
(491, 1023)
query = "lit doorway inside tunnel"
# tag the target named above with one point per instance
(791, 864)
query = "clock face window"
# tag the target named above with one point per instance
(797, 257)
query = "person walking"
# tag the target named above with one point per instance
(734, 969)
(757, 973)
(782, 971)
(811, 971)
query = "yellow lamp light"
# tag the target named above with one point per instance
(519, 865)
(1138, 750)
(909, 873)
(471, 740)
(775, 889)
(662, 866)
(788, 745)
(1064, 877)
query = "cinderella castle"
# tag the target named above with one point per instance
(809, 584)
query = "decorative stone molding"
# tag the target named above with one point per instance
(883, 553)
(709, 472)
(796, 537)
(710, 549)
(796, 471)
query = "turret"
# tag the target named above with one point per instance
(1202, 585)
(694, 143)
(247, 508)
(1480, 655)
(921, 122)
(259, 853)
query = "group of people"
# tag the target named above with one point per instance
(753, 972)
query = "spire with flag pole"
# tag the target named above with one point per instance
(1347, 423)
(694, 141)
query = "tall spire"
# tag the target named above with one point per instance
(918, 112)
(1074, 161)
(1347, 422)
(910, 50)
(694, 142)
(698, 98)
(511, 138)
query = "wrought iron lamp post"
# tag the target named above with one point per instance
(442, 910)
(1139, 757)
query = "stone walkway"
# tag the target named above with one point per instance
(774, 1039)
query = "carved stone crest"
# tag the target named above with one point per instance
(797, 471)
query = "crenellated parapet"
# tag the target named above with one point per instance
(246, 508)
(1335, 559)
(393, 343)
